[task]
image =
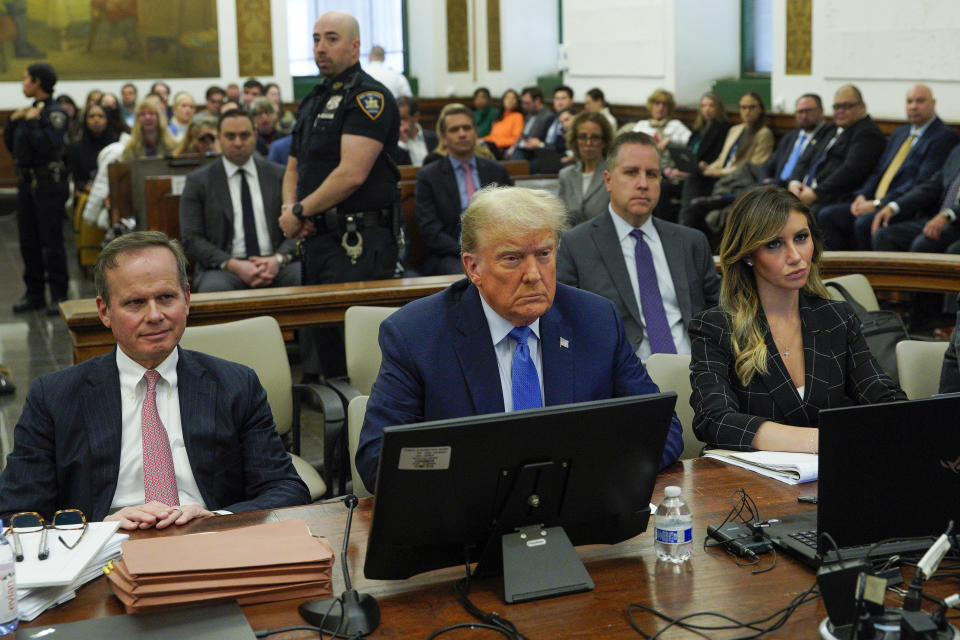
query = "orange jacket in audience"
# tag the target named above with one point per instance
(507, 130)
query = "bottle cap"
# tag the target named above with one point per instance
(672, 492)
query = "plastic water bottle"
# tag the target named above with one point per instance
(673, 528)
(9, 615)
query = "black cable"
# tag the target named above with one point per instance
(469, 625)
(809, 595)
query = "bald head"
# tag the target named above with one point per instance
(336, 43)
(377, 54)
(921, 107)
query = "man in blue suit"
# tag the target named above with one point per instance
(914, 152)
(507, 337)
(149, 434)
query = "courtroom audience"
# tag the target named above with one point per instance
(446, 187)
(395, 82)
(754, 384)
(234, 247)
(286, 118)
(149, 136)
(415, 143)
(128, 103)
(213, 98)
(232, 94)
(184, 108)
(930, 210)
(93, 97)
(537, 120)
(848, 150)
(108, 101)
(484, 111)
(595, 101)
(508, 126)
(265, 117)
(705, 143)
(581, 185)
(199, 139)
(81, 155)
(914, 152)
(661, 126)
(162, 89)
(750, 141)
(252, 89)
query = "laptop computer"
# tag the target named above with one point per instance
(887, 471)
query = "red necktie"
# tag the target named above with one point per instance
(159, 480)
(468, 184)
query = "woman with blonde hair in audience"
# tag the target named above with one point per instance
(150, 136)
(705, 143)
(508, 126)
(581, 186)
(660, 126)
(200, 138)
(776, 351)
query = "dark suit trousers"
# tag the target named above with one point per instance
(223, 280)
(842, 230)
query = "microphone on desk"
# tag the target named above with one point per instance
(359, 612)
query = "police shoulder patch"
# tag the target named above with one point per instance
(371, 103)
(58, 119)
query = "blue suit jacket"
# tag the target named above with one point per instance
(439, 362)
(66, 450)
(925, 158)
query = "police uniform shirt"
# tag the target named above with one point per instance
(350, 103)
(38, 141)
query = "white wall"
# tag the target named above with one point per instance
(882, 46)
(528, 46)
(629, 49)
(11, 96)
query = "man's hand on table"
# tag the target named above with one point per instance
(156, 515)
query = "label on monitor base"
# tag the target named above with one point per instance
(424, 458)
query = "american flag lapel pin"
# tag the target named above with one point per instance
(564, 343)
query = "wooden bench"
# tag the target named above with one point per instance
(295, 307)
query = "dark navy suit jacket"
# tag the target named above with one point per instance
(926, 158)
(439, 362)
(66, 450)
(438, 206)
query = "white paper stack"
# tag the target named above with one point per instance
(42, 584)
(791, 468)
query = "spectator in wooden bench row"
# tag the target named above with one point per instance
(228, 216)
(914, 152)
(446, 187)
(150, 136)
(415, 142)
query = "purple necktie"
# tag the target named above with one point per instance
(654, 316)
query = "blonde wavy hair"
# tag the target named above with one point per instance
(757, 217)
(136, 147)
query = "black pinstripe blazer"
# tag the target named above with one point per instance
(840, 370)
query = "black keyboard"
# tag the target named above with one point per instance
(885, 550)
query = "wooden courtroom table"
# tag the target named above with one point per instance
(295, 307)
(623, 573)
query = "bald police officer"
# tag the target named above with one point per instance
(35, 137)
(340, 187)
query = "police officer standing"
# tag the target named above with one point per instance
(340, 187)
(34, 135)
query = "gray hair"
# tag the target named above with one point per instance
(130, 243)
(513, 211)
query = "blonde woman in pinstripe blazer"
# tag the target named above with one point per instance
(776, 351)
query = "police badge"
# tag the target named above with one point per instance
(58, 119)
(371, 102)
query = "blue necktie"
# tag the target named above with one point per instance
(792, 161)
(654, 316)
(524, 381)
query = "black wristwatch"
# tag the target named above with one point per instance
(298, 211)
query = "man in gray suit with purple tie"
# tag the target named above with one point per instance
(657, 274)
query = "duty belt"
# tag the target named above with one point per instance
(52, 171)
(349, 224)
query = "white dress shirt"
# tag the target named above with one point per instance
(667, 291)
(504, 346)
(239, 246)
(394, 81)
(133, 390)
(416, 147)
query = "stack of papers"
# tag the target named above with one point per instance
(262, 563)
(42, 584)
(791, 468)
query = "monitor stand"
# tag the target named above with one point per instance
(540, 563)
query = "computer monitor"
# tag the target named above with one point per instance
(453, 491)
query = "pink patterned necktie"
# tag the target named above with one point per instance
(159, 480)
(468, 184)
